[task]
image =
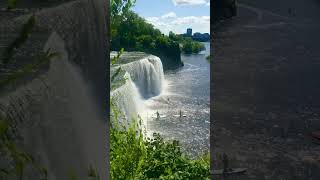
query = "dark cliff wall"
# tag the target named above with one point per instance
(59, 112)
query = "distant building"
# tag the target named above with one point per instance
(201, 37)
(197, 36)
(189, 32)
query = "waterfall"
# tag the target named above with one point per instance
(127, 98)
(144, 78)
(147, 74)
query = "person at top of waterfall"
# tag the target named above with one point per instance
(158, 115)
(180, 112)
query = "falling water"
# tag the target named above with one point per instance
(147, 74)
(175, 104)
(144, 78)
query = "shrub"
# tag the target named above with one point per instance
(132, 156)
(135, 156)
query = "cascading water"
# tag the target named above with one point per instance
(144, 78)
(127, 98)
(147, 74)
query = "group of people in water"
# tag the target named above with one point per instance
(158, 114)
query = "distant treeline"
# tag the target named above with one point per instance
(135, 34)
(187, 45)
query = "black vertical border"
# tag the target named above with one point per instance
(211, 88)
(108, 90)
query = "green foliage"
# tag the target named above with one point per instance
(11, 152)
(175, 37)
(20, 159)
(189, 46)
(11, 4)
(132, 156)
(44, 58)
(130, 31)
(119, 10)
(19, 41)
(116, 58)
(135, 34)
(117, 77)
(72, 175)
(209, 58)
(121, 7)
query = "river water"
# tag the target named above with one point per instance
(183, 106)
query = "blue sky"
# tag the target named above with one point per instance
(176, 15)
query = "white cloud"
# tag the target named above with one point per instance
(191, 19)
(180, 24)
(152, 19)
(208, 3)
(184, 20)
(163, 26)
(188, 2)
(169, 15)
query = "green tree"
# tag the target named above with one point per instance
(119, 13)
(187, 46)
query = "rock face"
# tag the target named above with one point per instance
(59, 112)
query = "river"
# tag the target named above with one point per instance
(187, 89)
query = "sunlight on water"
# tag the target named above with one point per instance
(181, 97)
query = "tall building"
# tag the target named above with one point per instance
(189, 32)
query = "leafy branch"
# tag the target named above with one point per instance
(19, 41)
(43, 59)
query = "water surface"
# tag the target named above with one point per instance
(187, 90)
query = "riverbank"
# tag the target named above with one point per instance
(266, 100)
